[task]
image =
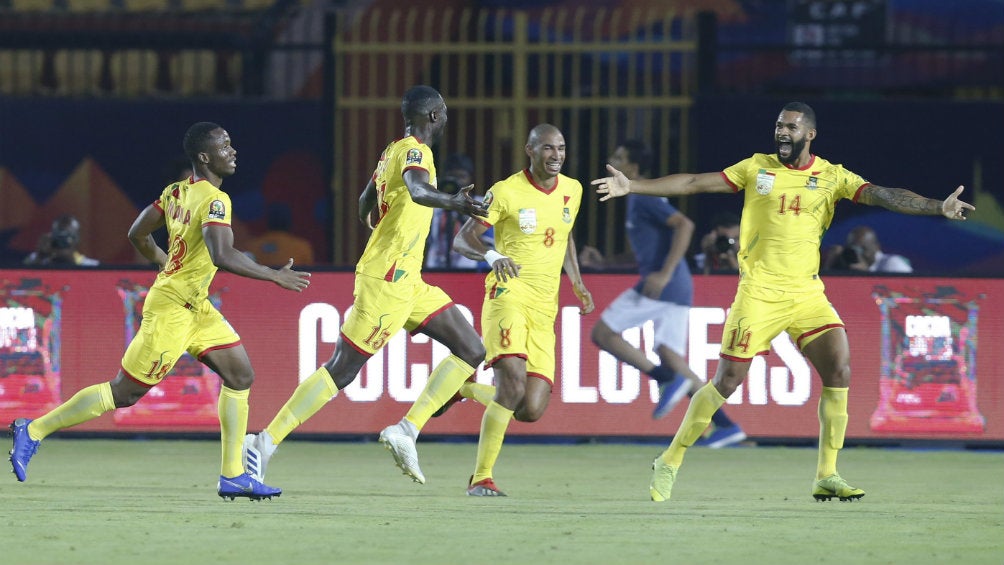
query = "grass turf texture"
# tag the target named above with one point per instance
(114, 502)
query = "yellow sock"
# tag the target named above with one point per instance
(832, 425)
(703, 406)
(493, 426)
(310, 396)
(480, 392)
(443, 383)
(87, 404)
(233, 409)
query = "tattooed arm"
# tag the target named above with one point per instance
(907, 202)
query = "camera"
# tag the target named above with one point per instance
(723, 243)
(850, 255)
(449, 185)
(62, 240)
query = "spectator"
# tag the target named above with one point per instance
(458, 172)
(59, 246)
(720, 247)
(863, 252)
(277, 245)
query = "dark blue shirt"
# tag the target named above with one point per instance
(651, 238)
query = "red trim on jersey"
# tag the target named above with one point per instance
(481, 221)
(135, 380)
(426, 169)
(735, 188)
(529, 177)
(541, 377)
(389, 275)
(488, 364)
(156, 204)
(744, 359)
(354, 346)
(215, 224)
(218, 348)
(812, 159)
(857, 193)
(430, 317)
(810, 333)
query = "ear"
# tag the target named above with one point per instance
(811, 134)
(204, 158)
(433, 117)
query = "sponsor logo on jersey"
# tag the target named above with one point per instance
(765, 181)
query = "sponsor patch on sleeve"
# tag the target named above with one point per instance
(414, 157)
(217, 210)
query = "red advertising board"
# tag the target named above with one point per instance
(926, 361)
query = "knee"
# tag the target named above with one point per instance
(473, 355)
(241, 380)
(600, 334)
(126, 398)
(528, 413)
(837, 376)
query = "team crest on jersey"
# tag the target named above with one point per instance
(414, 157)
(527, 220)
(566, 215)
(217, 210)
(489, 196)
(812, 183)
(765, 181)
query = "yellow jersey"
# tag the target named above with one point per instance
(786, 211)
(396, 248)
(532, 226)
(188, 207)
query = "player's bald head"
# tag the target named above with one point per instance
(540, 132)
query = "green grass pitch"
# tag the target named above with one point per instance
(132, 502)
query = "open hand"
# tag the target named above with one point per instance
(612, 186)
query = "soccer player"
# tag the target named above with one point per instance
(789, 202)
(177, 314)
(659, 235)
(532, 212)
(390, 293)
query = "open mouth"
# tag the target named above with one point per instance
(554, 167)
(784, 148)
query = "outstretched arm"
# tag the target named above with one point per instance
(908, 202)
(220, 242)
(422, 192)
(673, 185)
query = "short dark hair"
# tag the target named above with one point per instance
(807, 112)
(197, 138)
(639, 154)
(419, 100)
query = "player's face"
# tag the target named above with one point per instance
(791, 136)
(222, 155)
(548, 155)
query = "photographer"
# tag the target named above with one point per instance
(59, 246)
(720, 246)
(862, 252)
(458, 172)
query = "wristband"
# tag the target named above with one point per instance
(491, 256)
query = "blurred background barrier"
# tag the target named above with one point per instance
(925, 359)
